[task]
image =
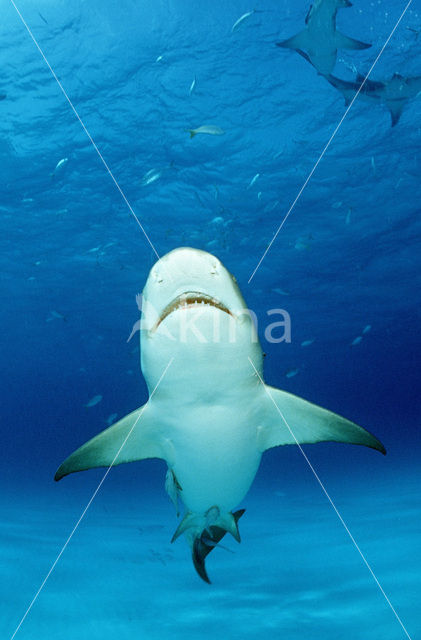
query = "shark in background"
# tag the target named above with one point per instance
(393, 93)
(318, 44)
(320, 39)
(209, 416)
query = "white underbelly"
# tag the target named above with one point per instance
(215, 465)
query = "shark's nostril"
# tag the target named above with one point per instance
(214, 269)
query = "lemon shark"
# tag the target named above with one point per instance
(210, 417)
(394, 93)
(320, 39)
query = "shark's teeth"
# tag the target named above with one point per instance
(191, 299)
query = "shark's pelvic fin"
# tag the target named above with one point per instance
(172, 487)
(308, 422)
(189, 521)
(227, 523)
(208, 540)
(143, 441)
(204, 522)
(395, 107)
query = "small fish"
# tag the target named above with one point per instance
(159, 58)
(366, 329)
(217, 220)
(139, 301)
(348, 216)
(356, 341)
(337, 205)
(290, 373)
(61, 163)
(111, 418)
(271, 206)
(373, 165)
(150, 176)
(253, 180)
(210, 129)
(307, 343)
(136, 327)
(192, 86)
(93, 401)
(303, 242)
(59, 167)
(57, 314)
(241, 19)
(281, 292)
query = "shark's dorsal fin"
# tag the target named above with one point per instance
(144, 441)
(308, 422)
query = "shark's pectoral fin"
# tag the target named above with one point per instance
(345, 42)
(288, 419)
(136, 437)
(299, 41)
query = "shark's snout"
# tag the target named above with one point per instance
(189, 279)
(188, 263)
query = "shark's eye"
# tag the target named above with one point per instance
(214, 269)
(158, 277)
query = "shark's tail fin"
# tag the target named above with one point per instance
(205, 531)
(208, 540)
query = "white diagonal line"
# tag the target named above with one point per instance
(86, 130)
(87, 506)
(307, 180)
(331, 501)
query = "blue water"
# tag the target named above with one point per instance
(73, 259)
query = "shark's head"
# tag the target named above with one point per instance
(193, 310)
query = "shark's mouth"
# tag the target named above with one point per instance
(189, 300)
